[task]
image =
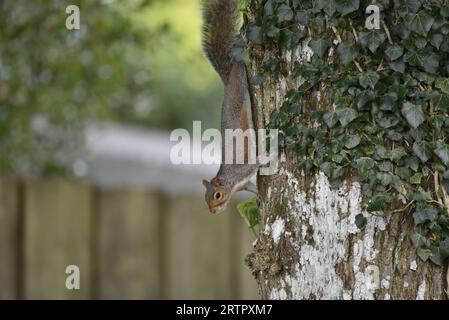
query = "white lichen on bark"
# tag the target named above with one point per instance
(330, 218)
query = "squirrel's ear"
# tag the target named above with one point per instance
(205, 183)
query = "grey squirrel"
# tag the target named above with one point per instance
(219, 33)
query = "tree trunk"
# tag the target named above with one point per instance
(309, 246)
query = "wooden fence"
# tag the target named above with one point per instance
(128, 244)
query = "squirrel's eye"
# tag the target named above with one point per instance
(217, 195)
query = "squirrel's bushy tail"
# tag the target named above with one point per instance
(219, 31)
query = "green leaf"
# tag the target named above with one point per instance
(422, 58)
(416, 178)
(255, 34)
(364, 164)
(439, 254)
(442, 152)
(436, 40)
(372, 39)
(394, 52)
(441, 101)
(418, 240)
(240, 54)
(423, 253)
(424, 213)
(422, 150)
(384, 178)
(320, 46)
(346, 52)
(347, 6)
(413, 114)
(419, 22)
(353, 141)
(328, 6)
(443, 85)
(398, 66)
(397, 154)
(360, 221)
(364, 97)
(444, 11)
(406, 7)
(284, 13)
(250, 213)
(330, 118)
(421, 195)
(346, 116)
(369, 79)
(376, 204)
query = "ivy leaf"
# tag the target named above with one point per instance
(328, 6)
(369, 79)
(444, 11)
(398, 66)
(364, 97)
(397, 154)
(385, 178)
(413, 114)
(421, 195)
(372, 39)
(320, 46)
(416, 178)
(424, 213)
(364, 164)
(347, 6)
(255, 34)
(423, 253)
(443, 85)
(376, 204)
(268, 8)
(407, 6)
(346, 116)
(284, 13)
(346, 52)
(441, 101)
(436, 40)
(360, 221)
(419, 240)
(415, 57)
(240, 53)
(442, 152)
(422, 150)
(330, 118)
(353, 141)
(431, 63)
(387, 121)
(423, 59)
(419, 22)
(394, 52)
(440, 253)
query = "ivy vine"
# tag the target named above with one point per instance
(386, 122)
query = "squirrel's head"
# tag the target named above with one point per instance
(216, 195)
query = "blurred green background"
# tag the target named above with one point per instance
(98, 104)
(137, 62)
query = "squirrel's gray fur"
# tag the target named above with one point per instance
(219, 34)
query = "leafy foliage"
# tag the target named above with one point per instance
(386, 121)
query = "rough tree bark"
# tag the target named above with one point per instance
(309, 246)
